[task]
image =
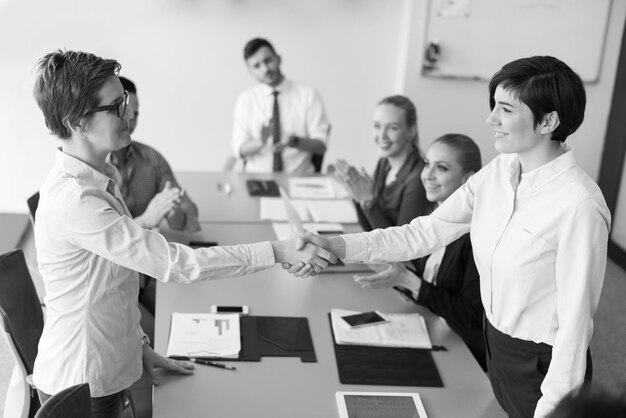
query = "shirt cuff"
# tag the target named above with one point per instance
(357, 248)
(261, 254)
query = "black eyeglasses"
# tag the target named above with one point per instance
(121, 107)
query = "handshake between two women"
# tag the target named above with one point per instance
(308, 254)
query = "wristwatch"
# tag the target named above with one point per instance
(145, 340)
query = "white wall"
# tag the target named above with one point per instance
(186, 59)
(449, 105)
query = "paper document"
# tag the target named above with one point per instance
(316, 188)
(204, 335)
(401, 330)
(286, 230)
(273, 209)
(341, 211)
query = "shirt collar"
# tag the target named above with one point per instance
(81, 170)
(130, 149)
(541, 176)
(283, 86)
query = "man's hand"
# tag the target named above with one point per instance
(267, 131)
(396, 274)
(310, 258)
(278, 147)
(161, 205)
(152, 360)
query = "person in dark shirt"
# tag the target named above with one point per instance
(446, 282)
(395, 195)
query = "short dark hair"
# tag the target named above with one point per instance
(469, 153)
(128, 85)
(67, 86)
(254, 45)
(544, 84)
(410, 112)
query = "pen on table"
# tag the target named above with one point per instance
(213, 363)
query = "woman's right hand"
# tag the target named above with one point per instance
(359, 184)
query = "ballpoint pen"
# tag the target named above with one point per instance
(213, 363)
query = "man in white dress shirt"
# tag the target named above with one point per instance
(282, 136)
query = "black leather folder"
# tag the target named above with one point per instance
(267, 188)
(392, 366)
(276, 336)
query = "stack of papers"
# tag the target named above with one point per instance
(286, 230)
(273, 209)
(400, 330)
(316, 188)
(320, 211)
(204, 335)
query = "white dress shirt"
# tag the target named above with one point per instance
(89, 251)
(301, 114)
(540, 246)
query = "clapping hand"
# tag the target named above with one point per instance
(359, 184)
(266, 131)
(162, 204)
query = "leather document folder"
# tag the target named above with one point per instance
(267, 188)
(275, 336)
(367, 365)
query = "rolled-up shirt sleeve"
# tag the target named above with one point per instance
(119, 239)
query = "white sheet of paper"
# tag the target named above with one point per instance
(273, 209)
(340, 211)
(400, 330)
(204, 335)
(316, 188)
(286, 230)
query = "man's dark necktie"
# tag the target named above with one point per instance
(278, 158)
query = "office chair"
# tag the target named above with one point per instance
(22, 322)
(73, 402)
(317, 160)
(33, 202)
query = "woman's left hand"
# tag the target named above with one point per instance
(396, 274)
(153, 360)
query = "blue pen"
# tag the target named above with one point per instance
(213, 363)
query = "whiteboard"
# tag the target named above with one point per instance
(475, 38)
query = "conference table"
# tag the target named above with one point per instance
(284, 386)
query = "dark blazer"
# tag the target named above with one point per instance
(399, 202)
(456, 297)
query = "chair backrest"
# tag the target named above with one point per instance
(73, 402)
(33, 202)
(317, 160)
(20, 311)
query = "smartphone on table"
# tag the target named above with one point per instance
(240, 309)
(364, 319)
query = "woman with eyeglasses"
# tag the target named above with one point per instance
(446, 282)
(90, 251)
